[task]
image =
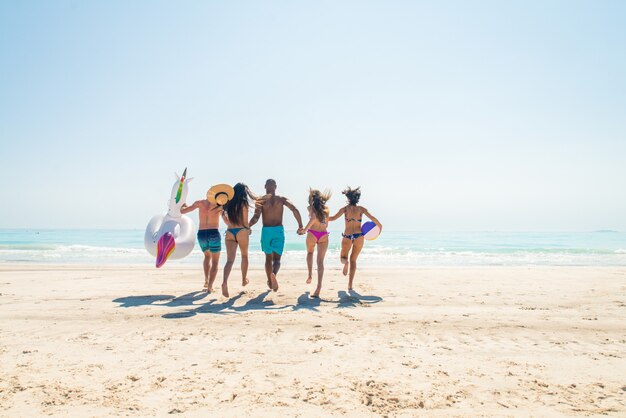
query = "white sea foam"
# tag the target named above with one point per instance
(394, 249)
(377, 256)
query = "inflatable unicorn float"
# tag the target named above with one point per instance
(173, 235)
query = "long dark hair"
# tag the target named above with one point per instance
(318, 200)
(239, 204)
(353, 195)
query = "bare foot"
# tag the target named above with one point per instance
(244, 281)
(317, 292)
(346, 266)
(269, 284)
(308, 281)
(274, 282)
(206, 286)
(225, 290)
(210, 290)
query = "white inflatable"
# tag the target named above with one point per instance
(173, 235)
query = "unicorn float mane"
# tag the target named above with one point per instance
(179, 194)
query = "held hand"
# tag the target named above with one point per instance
(300, 231)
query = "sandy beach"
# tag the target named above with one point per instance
(110, 341)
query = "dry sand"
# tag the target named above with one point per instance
(110, 341)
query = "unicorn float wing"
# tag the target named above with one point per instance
(173, 235)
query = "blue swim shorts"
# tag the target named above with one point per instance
(210, 240)
(273, 239)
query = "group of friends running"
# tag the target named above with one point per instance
(269, 208)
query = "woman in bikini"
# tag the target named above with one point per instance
(352, 242)
(235, 216)
(316, 235)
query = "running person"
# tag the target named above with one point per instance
(316, 235)
(270, 207)
(235, 216)
(352, 242)
(208, 237)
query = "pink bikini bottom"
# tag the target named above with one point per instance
(318, 234)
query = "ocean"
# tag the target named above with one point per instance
(391, 249)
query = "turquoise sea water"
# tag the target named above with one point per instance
(392, 248)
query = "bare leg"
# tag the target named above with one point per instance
(356, 250)
(345, 248)
(275, 268)
(206, 264)
(231, 253)
(268, 269)
(244, 270)
(215, 258)
(309, 265)
(243, 238)
(310, 245)
(275, 263)
(322, 246)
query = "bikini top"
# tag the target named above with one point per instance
(353, 219)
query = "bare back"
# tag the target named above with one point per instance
(353, 217)
(315, 224)
(209, 215)
(242, 223)
(272, 211)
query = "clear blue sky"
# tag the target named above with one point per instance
(451, 115)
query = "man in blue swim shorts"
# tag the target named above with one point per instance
(209, 237)
(270, 207)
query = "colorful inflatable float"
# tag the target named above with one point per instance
(173, 235)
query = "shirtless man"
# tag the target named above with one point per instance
(271, 207)
(209, 237)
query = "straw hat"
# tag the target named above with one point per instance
(220, 194)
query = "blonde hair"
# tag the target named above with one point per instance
(318, 200)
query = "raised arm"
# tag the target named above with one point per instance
(186, 209)
(296, 212)
(338, 214)
(366, 213)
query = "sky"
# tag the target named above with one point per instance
(450, 115)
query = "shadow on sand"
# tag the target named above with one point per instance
(258, 303)
(183, 300)
(345, 300)
(353, 299)
(211, 306)
(305, 301)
